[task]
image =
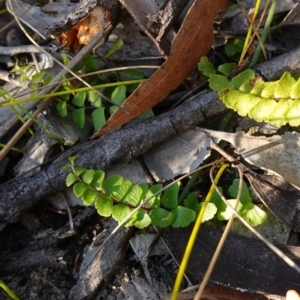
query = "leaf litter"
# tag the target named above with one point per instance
(263, 184)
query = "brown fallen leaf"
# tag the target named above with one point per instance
(194, 39)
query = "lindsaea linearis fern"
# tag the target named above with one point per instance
(276, 102)
(117, 197)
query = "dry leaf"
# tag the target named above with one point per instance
(279, 154)
(193, 40)
(180, 154)
(280, 196)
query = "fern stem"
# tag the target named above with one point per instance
(193, 236)
(188, 187)
(265, 32)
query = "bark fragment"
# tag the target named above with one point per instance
(89, 18)
(162, 20)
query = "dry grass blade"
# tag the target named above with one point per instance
(255, 29)
(222, 240)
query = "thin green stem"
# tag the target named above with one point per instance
(99, 86)
(8, 291)
(249, 33)
(188, 187)
(193, 236)
(13, 148)
(265, 32)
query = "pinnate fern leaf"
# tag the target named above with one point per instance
(274, 102)
(118, 197)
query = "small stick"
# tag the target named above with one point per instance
(11, 51)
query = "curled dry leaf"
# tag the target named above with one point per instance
(281, 197)
(278, 154)
(194, 39)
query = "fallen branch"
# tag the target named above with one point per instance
(119, 146)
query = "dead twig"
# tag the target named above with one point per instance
(23, 49)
